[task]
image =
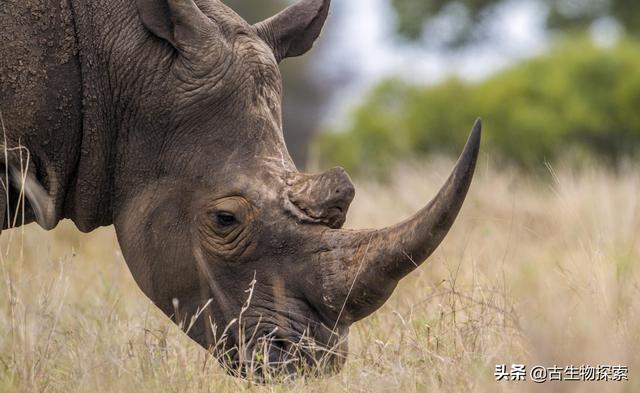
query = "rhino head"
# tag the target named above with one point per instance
(221, 231)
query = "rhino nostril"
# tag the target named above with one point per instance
(277, 352)
(335, 210)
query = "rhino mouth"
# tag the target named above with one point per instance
(272, 351)
(275, 357)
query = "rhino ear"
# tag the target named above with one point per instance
(179, 22)
(293, 31)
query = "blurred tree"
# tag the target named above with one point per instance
(304, 95)
(469, 15)
(577, 99)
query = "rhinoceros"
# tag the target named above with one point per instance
(163, 118)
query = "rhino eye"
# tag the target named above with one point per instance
(225, 219)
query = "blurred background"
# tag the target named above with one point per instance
(552, 79)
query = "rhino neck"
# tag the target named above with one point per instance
(112, 71)
(88, 196)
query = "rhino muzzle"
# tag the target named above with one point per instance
(358, 270)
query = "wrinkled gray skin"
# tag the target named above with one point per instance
(163, 118)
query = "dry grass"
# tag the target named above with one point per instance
(534, 271)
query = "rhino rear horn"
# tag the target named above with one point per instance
(293, 31)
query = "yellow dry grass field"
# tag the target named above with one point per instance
(536, 271)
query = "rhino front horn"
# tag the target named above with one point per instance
(370, 263)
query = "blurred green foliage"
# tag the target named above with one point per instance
(576, 100)
(413, 14)
(566, 15)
